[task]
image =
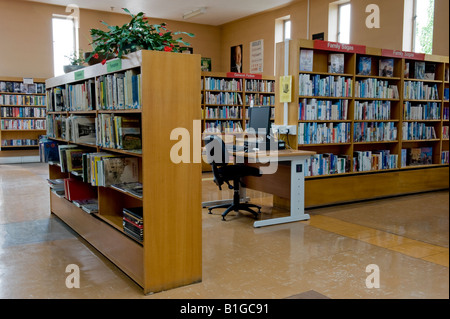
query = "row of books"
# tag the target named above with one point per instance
(313, 109)
(266, 86)
(445, 132)
(222, 127)
(446, 113)
(420, 70)
(323, 133)
(224, 112)
(372, 110)
(133, 223)
(221, 84)
(259, 99)
(375, 88)
(119, 91)
(119, 132)
(374, 132)
(326, 164)
(12, 111)
(446, 93)
(81, 96)
(417, 90)
(418, 131)
(364, 161)
(329, 86)
(428, 111)
(20, 87)
(32, 100)
(229, 98)
(20, 142)
(23, 124)
(416, 156)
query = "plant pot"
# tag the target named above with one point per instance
(71, 68)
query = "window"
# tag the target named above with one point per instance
(65, 42)
(423, 19)
(286, 29)
(343, 34)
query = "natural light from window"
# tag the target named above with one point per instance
(64, 43)
(344, 23)
(287, 29)
(423, 33)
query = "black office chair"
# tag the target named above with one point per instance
(218, 157)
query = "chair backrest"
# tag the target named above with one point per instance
(217, 156)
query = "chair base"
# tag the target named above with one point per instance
(237, 207)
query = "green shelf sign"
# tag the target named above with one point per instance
(79, 75)
(114, 65)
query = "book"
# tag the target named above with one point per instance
(63, 157)
(419, 70)
(75, 159)
(426, 155)
(48, 151)
(78, 190)
(134, 188)
(82, 129)
(336, 63)
(306, 60)
(413, 156)
(386, 67)
(117, 170)
(133, 223)
(365, 65)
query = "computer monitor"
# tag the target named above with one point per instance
(259, 122)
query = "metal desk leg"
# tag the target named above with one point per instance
(297, 197)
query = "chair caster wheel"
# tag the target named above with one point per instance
(210, 212)
(223, 219)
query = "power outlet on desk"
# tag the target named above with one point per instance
(285, 129)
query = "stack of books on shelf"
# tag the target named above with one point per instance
(29, 100)
(417, 90)
(428, 111)
(119, 132)
(133, 188)
(417, 156)
(323, 133)
(230, 98)
(133, 223)
(57, 186)
(375, 132)
(377, 89)
(326, 164)
(313, 109)
(20, 87)
(224, 112)
(11, 111)
(364, 161)
(418, 131)
(90, 206)
(328, 86)
(220, 84)
(23, 124)
(119, 91)
(373, 110)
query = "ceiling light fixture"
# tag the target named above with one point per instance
(194, 13)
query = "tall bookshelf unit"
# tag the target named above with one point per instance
(226, 98)
(170, 254)
(22, 115)
(375, 122)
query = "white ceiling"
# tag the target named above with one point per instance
(217, 11)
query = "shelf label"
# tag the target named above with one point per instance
(244, 75)
(79, 75)
(28, 81)
(114, 65)
(402, 54)
(340, 47)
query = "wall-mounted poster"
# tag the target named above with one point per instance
(206, 64)
(236, 59)
(257, 56)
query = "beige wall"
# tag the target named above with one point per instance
(26, 40)
(26, 36)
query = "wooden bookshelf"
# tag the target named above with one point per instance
(22, 115)
(374, 122)
(170, 254)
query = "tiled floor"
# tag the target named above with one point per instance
(406, 237)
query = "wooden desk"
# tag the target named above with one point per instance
(290, 167)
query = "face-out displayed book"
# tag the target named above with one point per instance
(120, 132)
(107, 169)
(336, 63)
(417, 156)
(306, 60)
(82, 129)
(365, 65)
(386, 67)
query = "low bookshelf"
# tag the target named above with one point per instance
(119, 118)
(378, 120)
(22, 117)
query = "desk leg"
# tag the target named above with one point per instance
(297, 197)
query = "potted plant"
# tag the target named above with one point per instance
(76, 62)
(138, 34)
